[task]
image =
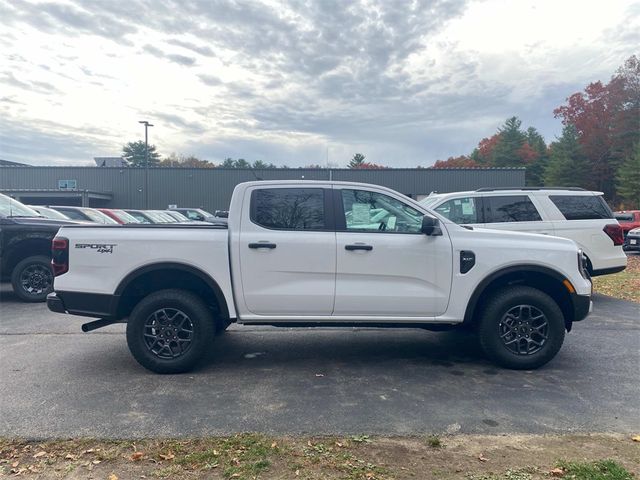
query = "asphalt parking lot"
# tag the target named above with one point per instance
(59, 382)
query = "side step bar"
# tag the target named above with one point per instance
(103, 322)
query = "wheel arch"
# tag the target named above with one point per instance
(546, 279)
(25, 248)
(144, 280)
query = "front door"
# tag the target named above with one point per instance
(385, 265)
(288, 252)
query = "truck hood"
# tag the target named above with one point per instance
(526, 238)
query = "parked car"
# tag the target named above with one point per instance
(141, 216)
(84, 214)
(25, 249)
(163, 216)
(628, 220)
(576, 214)
(301, 253)
(633, 240)
(48, 212)
(151, 216)
(120, 216)
(180, 218)
(196, 214)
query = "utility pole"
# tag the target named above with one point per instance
(146, 161)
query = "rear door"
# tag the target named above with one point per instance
(515, 212)
(288, 252)
(385, 266)
(462, 210)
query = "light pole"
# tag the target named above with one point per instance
(146, 161)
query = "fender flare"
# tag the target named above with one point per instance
(482, 286)
(207, 279)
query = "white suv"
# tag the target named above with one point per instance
(573, 213)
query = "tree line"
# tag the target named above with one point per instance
(599, 148)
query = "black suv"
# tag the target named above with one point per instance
(25, 249)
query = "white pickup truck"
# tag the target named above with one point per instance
(302, 253)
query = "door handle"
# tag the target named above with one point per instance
(367, 248)
(268, 245)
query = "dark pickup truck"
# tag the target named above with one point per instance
(25, 249)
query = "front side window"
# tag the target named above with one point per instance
(460, 210)
(73, 214)
(511, 208)
(374, 212)
(288, 208)
(194, 215)
(581, 207)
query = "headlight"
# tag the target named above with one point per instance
(582, 264)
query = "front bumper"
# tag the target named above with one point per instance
(632, 242)
(582, 306)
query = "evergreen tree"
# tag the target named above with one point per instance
(511, 140)
(134, 154)
(628, 179)
(228, 163)
(535, 170)
(567, 164)
(356, 161)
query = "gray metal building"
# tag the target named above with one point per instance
(211, 188)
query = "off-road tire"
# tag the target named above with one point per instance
(38, 262)
(497, 308)
(202, 327)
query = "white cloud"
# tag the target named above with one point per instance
(406, 83)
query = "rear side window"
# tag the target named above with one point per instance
(288, 208)
(512, 208)
(460, 210)
(581, 207)
(624, 217)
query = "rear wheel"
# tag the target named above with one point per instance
(521, 328)
(169, 331)
(32, 279)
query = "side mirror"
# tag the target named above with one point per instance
(431, 226)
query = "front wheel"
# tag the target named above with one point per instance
(32, 279)
(169, 331)
(521, 328)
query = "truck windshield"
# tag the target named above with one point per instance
(12, 208)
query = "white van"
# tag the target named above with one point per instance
(579, 215)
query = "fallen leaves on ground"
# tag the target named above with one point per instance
(624, 285)
(136, 456)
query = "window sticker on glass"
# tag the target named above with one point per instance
(391, 223)
(360, 214)
(467, 207)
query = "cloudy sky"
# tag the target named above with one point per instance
(294, 81)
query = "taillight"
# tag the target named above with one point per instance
(60, 256)
(615, 233)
